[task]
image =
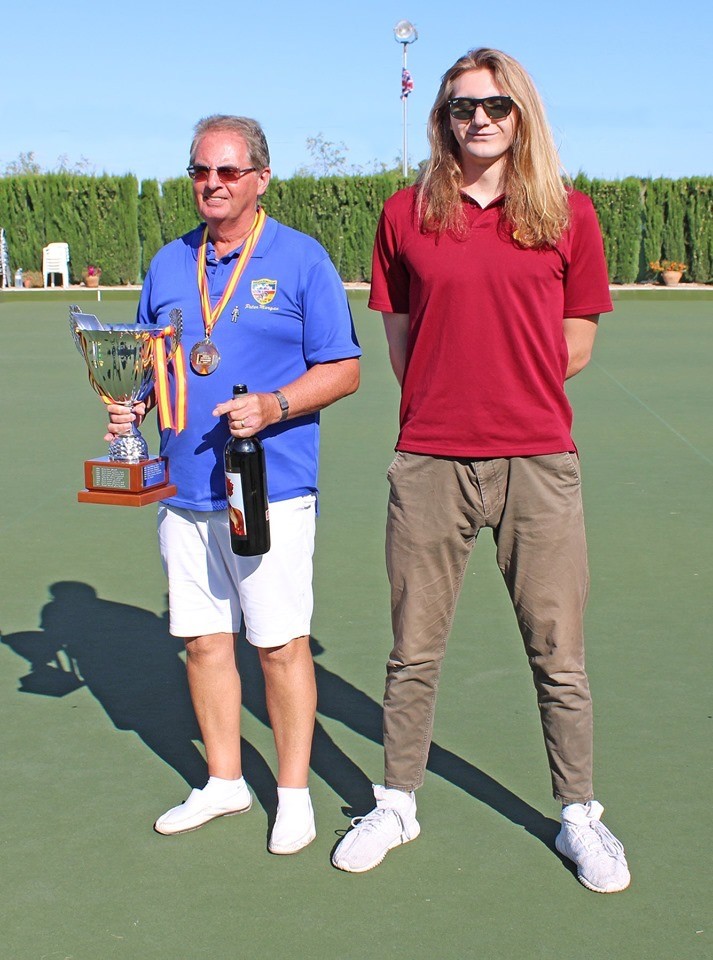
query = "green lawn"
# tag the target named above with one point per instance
(99, 737)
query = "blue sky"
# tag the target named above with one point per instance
(627, 85)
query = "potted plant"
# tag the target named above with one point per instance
(32, 278)
(90, 275)
(671, 270)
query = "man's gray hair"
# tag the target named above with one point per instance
(250, 130)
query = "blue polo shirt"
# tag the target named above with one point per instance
(289, 312)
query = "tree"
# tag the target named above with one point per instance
(328, 159)
(25, 163)
(83, 165)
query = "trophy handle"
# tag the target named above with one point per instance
(75, 316)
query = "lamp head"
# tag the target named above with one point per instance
(405, 32)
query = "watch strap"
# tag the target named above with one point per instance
(284, 405)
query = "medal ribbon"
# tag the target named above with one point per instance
(166, 416)
(210, 315)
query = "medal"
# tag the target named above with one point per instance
(204, 357)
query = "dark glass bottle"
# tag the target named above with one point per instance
(246, 487)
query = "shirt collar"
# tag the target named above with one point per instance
(496, 202)
(263, 245)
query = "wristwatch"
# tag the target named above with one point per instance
(284, 405)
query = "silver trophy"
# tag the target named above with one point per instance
(120, 359)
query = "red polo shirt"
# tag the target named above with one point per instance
(486, 355)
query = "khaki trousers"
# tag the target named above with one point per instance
(437, 507)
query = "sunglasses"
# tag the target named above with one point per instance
(200, 173)
(496, 108)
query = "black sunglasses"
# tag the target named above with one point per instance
(496, 108)
(200, 173)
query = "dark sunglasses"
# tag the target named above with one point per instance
(496, 108)
(200, 174)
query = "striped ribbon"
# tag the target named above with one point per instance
(167, 418)
(211, 314)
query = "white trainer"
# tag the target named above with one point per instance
(598, 855)
(390, 824)
(199, 809)
(294, 828)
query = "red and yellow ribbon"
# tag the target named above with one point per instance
(167, 418)
(211, 314)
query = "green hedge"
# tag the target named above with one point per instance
(108, 223)
(340, 212)
(96, 216)
(149, 222)
(648, 220)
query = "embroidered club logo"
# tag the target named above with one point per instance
(263, 291)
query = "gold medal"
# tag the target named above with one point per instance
(204, 357)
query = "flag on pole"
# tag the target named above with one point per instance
(406, 83)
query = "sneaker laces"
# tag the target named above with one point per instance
(594, 836)
(373, 821)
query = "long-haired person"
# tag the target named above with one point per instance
(490, 276)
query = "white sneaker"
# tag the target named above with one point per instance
(598, 855)
(294, 828)
(390, 824)
(199, 809)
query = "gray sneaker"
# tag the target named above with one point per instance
(598, 855)
(386, 827)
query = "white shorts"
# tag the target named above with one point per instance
(208, 584)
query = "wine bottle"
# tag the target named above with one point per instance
(246, 487)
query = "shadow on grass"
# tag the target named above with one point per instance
(128, 661)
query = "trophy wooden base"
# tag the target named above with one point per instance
(126, 484)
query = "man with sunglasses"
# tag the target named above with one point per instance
(262, 305)
(490, 276)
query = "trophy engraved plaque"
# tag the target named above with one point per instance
(122, 360)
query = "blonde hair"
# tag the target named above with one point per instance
(535, 194)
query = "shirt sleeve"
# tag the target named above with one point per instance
(586, 283)
(328, 328)
(143, 311)
(389, 275)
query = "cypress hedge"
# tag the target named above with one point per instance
(149, 222)
(340, 212)
(697, 229)
(96, 216)
(107, 222)
(178, 212)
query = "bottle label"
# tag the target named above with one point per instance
(236, 505)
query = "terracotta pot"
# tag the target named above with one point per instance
(671, 277)
(92, 281)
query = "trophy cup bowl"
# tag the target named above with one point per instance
(120, 362)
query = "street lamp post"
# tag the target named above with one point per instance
(404, 33)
